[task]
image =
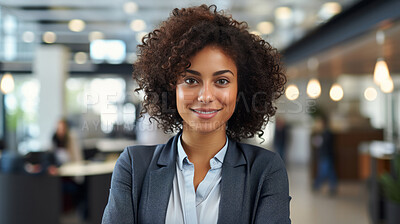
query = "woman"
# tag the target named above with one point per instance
(206, 76)
(65, 145)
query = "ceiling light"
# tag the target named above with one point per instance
(7, 83)
(283, 13)
(28, 36)
(387, 85)
(9, 24)
(333, 7)
(76, 25)
(313, 88)
(80, 58)
(381, 71)
(138, 25)
(130, 7)
(370, 93)
(336, 92)
(265, 27)
(95, 35)
(329, 9)
(292, 92)
(49, 37)
(112, 51)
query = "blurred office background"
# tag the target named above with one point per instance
(72, 60)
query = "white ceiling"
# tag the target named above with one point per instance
(108, 16)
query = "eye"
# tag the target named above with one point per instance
(222, 82)
(190, 81)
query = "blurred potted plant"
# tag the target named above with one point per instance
(391, 188)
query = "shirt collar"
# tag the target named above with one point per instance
(182, 156)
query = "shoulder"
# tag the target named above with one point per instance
(255, 153)
(261, 159)
(140, 149)
(138, 153)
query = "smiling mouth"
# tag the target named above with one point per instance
(205, 112)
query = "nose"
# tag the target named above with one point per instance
(206, 94)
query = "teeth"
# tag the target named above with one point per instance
(204, 112)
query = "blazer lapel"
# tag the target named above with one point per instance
(233, 185)
(159, 185)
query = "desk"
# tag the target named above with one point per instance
(86, 168)
(97, 180)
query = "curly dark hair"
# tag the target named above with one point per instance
(165, 52)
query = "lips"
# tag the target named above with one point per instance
(205, 113)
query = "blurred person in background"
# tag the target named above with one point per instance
(65, 144)
(206, 76)
(40, 163)
(66, 150)
(323, 142)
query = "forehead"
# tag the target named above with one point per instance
(212, 57)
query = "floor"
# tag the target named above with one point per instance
(349, 205)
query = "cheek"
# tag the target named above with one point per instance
(184, 96)
(229, 98)
(232, 102)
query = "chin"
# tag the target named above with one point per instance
(205, 128)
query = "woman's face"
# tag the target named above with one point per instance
(206, 93)
(61, 128)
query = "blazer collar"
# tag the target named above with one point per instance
(168, 153)
(234, 157)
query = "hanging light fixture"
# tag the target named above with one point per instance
(292, 92)
(370, 93)
(387, 85)
(381, 72)
(313, 88)
(7, 83)
(336, 92)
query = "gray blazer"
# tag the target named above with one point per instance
(254, 185)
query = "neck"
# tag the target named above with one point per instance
(201, 147)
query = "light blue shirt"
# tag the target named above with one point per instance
(195, 207)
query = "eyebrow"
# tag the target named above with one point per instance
(214, 74)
